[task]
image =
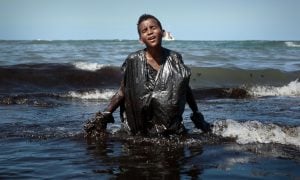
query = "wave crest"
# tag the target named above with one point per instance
(292, 44)
(95, 94)
(291, 89)
(89, 66)
(257, 132)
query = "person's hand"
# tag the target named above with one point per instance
(200, 123)
(102, 118)
(98, 124)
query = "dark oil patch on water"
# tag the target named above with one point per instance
(130, 157)
(122, 156)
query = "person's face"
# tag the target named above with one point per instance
(150, 33)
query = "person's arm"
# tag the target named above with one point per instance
(191, 100)
(197, 117)
(116, 100)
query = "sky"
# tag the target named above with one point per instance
(116, 19)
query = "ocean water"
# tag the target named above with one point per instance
(249, 90)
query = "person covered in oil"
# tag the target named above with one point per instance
(154, 89)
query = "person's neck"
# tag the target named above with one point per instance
(154, 54)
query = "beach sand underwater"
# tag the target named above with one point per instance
(249, 90)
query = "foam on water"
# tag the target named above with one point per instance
(292, 89)
(257, 132)
(95, 94)
(292, 44)
(89, 66)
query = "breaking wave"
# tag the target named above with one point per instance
(224, 131)
(50, 99)
(32, 78)
(292, 44)
(100, 81)
(291, 89)
(257, 132)
(89, 66)
(95, 94)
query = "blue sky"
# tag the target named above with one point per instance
(116, 19)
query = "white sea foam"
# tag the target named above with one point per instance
(89, 66)
(292, 44)
(96, 94)
(257, 132)
(292, 89)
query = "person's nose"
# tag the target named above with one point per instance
(150, 31)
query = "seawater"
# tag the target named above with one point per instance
(249, 90)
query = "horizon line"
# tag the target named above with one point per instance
(138, 40)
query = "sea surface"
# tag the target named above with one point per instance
(249, 91)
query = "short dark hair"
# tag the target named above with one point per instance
(144, 17)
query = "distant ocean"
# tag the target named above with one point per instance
(249, 90)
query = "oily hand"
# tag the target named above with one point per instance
(200, 123)
(98, 124)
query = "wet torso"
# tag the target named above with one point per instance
(155, 97)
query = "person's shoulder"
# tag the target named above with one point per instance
(173, 54)
(132, 58)
(135, 54)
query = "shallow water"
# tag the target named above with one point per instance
(48, 142)
(60, 158)
(49, 89)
